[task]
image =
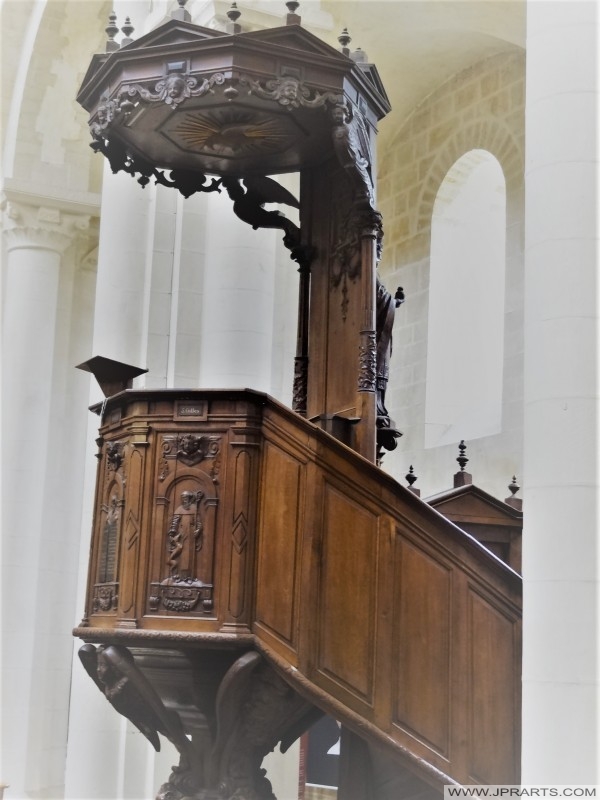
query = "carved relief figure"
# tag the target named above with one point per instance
(386, 311)
(185, 535)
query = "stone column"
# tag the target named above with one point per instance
(561, 666)
(238, 301)
(36, 240)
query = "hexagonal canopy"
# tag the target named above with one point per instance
(187, 97)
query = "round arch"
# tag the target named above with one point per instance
(465, 349)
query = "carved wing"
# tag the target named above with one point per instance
(89, 658)
(140, 703)
(266, 190)
(131, 694)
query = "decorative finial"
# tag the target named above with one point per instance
(462, 478)
(359, 56)
(233, 15)
(111, 31)
(344, 39)
(127, 30)
(292, 18)
(462, 459)
(180, 13)
(410, 479)
(513, 488)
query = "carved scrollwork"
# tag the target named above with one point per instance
(185, 181)
(172, 90)
(289, 92)
(367, 363)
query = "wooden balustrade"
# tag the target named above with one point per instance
(223, 517)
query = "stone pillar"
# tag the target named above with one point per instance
(120, 317)
(561, 666)
(37, 239)
(238, 301)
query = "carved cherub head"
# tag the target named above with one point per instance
(289, 89)
(173, 89)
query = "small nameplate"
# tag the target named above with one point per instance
(195, 410)
(190, 411)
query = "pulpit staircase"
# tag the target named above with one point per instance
(297, 578)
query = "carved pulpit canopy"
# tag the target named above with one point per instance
(188, 98)
(203, 110)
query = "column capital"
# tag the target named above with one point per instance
(40, 227)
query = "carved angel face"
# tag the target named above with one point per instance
(174, 88)
(289, 90)
(189, 444)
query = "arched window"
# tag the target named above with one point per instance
(465, 346)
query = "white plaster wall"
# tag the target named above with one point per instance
(561, 563)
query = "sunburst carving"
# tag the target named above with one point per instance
(239, 135)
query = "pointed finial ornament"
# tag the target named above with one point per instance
(462, 478)
(233, 15)
(180, 13)
(410, 479)
(359, 56)
(292, 18)
(513, 488)
(462, 459)
(127, 30)
(344, 39)
(111, 31)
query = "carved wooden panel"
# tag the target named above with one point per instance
(109, 521)
(422, 670)
(347, 595)
(184, 528)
